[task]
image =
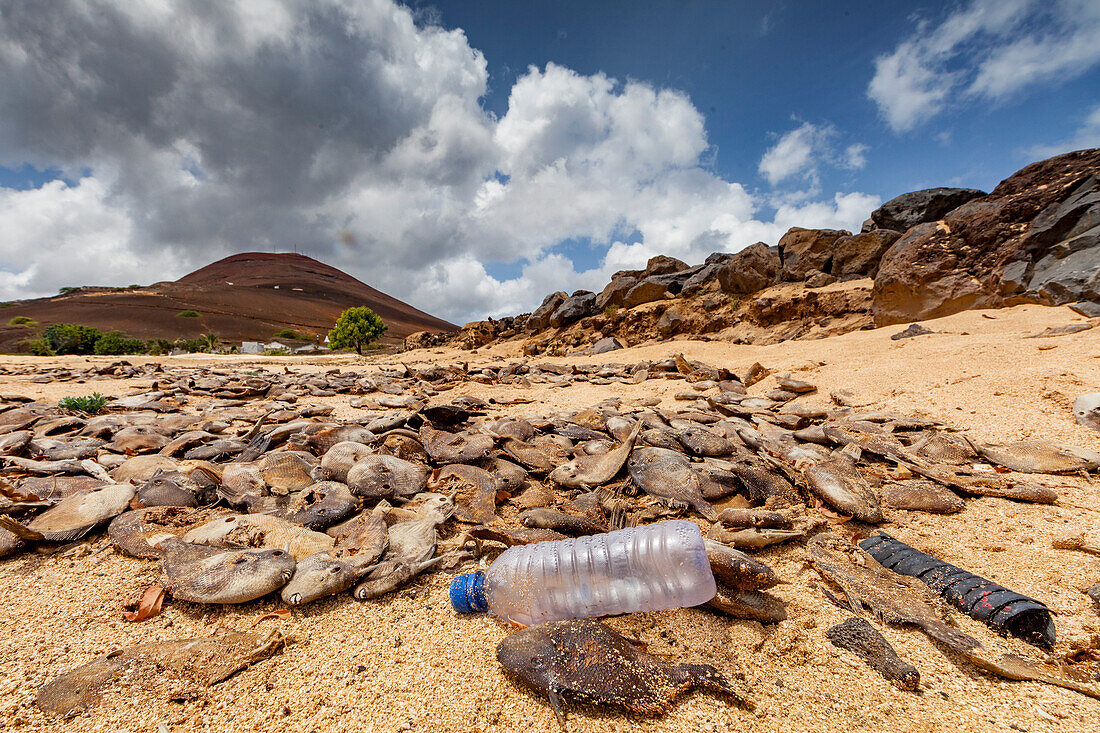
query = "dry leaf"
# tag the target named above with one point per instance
(149, 605)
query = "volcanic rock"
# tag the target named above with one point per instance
(920, 207)
(646, 291)
(540, 318)
(859, 254)
(579, 305)
(753, 268)
(805, 250)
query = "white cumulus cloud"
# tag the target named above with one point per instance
(986, 50)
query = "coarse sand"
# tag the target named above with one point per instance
(408, 663)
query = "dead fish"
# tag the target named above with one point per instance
(534, 457)
(339, 459)
(286, 471)
(474, 490)
(1040, 456)
(10, 543)
(414, 540)
(895, 602)
(753, 538)
(241, 484)
(140, 469)
(364, 534)
(510, 475)
(1094, 593)
(75, 516)
(322, 441)
(1086, 410)
(323, 575)
(734, 569)
(510, 427)
(668, 475)
(839, 484)
(389, 575)
(137, 532)
(510, 536)
(588, 471)
(204, 574)
(585, 660)
(739, 518)
(55, 488)
(64, 450)
(445, 448)
(859, 637)
(568, 524)
(386, 477)
(945, 448)
(163, 666)
(138, 439)
(261, 530)
(921, 496)
(13, 444)
(753, 605)
(321, 505)
(174, 489)
(700, 441)
(51, 468)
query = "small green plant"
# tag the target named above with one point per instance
(117, 342)
(90, 405)
(187, 314)
(66, 291)
(735, 304)
(158, 347)
(23, 321)
(611, 310)
(274, 352)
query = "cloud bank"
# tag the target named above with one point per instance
(985, 51)
(353, 132)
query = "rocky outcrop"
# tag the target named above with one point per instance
(646, 291)
(919, 207)
(540, 318)
(1032, 239)
(753, 268)
(858, 255)
(577, 306)
(806, 251)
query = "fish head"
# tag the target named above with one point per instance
(317, 576)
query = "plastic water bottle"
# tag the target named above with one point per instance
(661, 565)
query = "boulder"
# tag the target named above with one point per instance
(753, 268)
(616, 290)
(700, 279)
(804, 250)
(424, 339)
(579, 305)
(921, 207)
(663, 265)
(605, 345)
(819, 279)
(859, 254)
(1031, 239)
(540, 319)
(646, 291)
(670, 322)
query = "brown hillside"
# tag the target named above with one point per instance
(244, 297)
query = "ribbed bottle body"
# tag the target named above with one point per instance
(662, 565)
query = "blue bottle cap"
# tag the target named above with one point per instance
(468, 593)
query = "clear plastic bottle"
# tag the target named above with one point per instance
(661, 565)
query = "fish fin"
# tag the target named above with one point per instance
(559, 711)
(20, 531)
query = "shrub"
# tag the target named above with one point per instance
(158, 347)
(611, 310)
(187, 314)
(37, 347)
(90, 405)
(290, 333)
(70, 338)
(191, 346)
(274, 352)
(116, 342)
(356, 328)
(66, 291)
(22, 321)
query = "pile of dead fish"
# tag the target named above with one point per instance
(238, 492)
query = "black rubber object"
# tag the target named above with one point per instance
(1005, 610)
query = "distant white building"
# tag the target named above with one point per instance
(252, 347)
(276, 346)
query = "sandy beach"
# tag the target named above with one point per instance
(409, 663)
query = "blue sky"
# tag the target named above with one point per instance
(470, 157)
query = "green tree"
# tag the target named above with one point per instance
(356, 328)
(210, 342)
(116, 342)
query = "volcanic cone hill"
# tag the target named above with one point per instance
(244, 297)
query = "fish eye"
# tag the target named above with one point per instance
(277, 553)
(239, 559)
(334, 570)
